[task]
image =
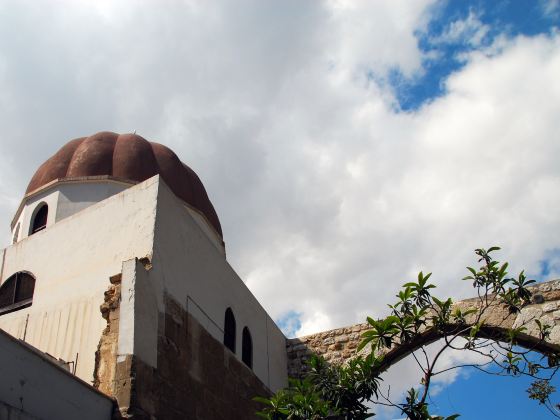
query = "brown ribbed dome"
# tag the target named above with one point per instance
(130, 157)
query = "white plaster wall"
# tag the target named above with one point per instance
(189, 267)
(37, 387)
(278, 377)
(212, 235)
(50, 197)
(75, 197)
(72, 261)
(138, 322)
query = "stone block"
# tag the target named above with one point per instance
(555, 334)
(550, 306)
(527, 315)
(545, 287)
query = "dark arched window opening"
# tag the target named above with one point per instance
(247, 348)
(16, 292)
(40, 219)
(229, 330)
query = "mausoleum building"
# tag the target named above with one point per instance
(118, 272)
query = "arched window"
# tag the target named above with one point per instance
(229, 330)
(247, 348)
(40, 219)
(16, 292)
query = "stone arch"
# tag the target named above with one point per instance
(339, 345)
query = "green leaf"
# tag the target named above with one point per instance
(364, 343)
(262, 400)
(503, 269)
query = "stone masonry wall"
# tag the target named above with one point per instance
(335, 346)
(196, 378)
(339, 345)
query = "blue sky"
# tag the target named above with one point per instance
(484, 23)
(345, 145)
(549, 264)
(496, 397)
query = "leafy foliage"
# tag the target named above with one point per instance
(342, 391)
(326, 392)
(540, 390)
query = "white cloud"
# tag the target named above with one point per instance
(474, 168)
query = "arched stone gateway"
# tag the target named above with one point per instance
(340, 345)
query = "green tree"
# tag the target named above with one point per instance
(417, 319)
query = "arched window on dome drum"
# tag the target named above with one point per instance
(16, 292)
(247, 348)
(40, 219)
(229, 330)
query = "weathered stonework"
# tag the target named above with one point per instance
(196, 376)
(106, 354)
(335, 346)
(339, 345)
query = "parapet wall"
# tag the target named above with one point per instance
(339, 345)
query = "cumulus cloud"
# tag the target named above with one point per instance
(329, 197)
(405, 192)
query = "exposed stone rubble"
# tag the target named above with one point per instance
(106, 354)
(339, 345)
